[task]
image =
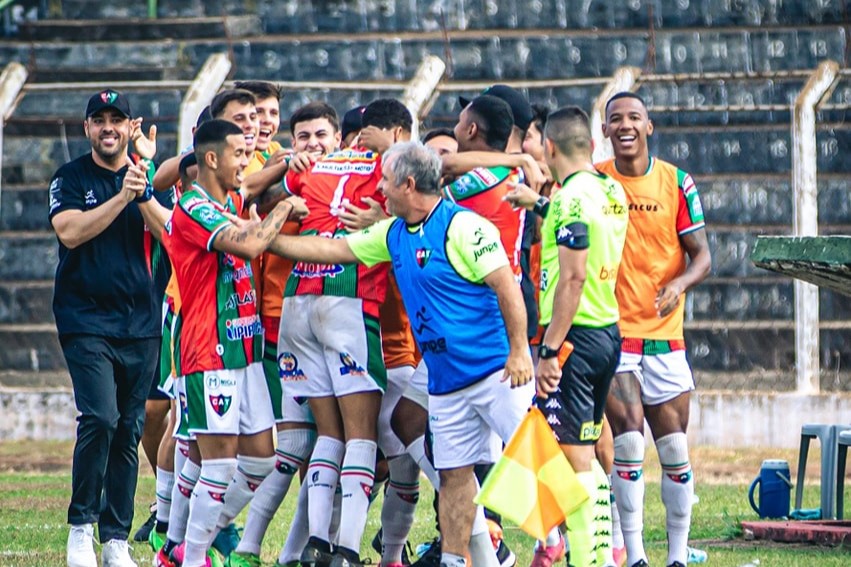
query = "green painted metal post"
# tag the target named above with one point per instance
(152, 9)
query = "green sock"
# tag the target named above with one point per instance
(602, 516)
(580, 525)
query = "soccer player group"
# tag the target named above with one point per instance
(354, 309)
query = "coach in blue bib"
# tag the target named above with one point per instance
(467, 313)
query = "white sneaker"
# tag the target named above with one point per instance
(80, 551)
(116, 553)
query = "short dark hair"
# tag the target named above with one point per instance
(570, 130)
(437, 132)
(221, 100)
(539, 119)
(312, 111)
(261, 89)
(204, 116)
(186, 162)
(387, 113)
(212, 135)
(494, 119)
(624, 94)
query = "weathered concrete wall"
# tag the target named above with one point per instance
(718, 418)
(761, 419)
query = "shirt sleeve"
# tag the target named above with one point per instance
(370, 244)
(689, 211)
(473, 246)
(203, 222)
(571, 219)
(293, 182)
(65, 194)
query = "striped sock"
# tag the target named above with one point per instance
(323, 474)
(356, 480)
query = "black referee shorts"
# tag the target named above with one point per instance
(575, 410)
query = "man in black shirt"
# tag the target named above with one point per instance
(107, 315)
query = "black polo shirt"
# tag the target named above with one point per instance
(104, 286)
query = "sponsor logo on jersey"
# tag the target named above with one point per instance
(55, 193)
(552, 403)
(552, 419)
(220, 404)
(423, 255)
(480, 236)
(288, 368)
(312, 270)
(207, 214)
(422, 321)
(614, 209)
(237, 299)
(332, 167)
(486, 249)
(243, 328)
(214, 382)
(590, 431)
(608, 273)
(434, 346)
(486, 175)
(90, 197)
(463, 184)
(350, 366)
(238, 274)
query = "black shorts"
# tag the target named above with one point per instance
(575, 410)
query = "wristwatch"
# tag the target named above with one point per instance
(545, 352)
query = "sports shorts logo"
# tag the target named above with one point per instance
(590, 431)
(288, 368)
(220, 404)
(350, 366)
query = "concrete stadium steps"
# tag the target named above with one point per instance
(30, 348)
(26, 302)
(487, 55)
(44, 380)
(140, 29)
(397, 15)
(28, 256)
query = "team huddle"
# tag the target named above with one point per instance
(362, 308)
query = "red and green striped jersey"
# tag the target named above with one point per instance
(342, 177)
(220, 326)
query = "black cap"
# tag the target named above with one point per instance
(108, 99)
(520, 107)
(352, 121)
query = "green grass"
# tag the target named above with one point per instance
(33, 530)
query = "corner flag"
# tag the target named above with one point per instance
(532, 484)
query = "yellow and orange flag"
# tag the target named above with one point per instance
(532, 484)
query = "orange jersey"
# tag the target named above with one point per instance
(482, 190)
(663, 206)
(258, 160)
(397, 342)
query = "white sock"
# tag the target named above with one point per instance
(677, 493)
(323, 473)
(552, 538)
(294, 447)
(628, 486)
(165, 485)
(298, 534)
(207, 502)
(181, 495)
(417, 452)
(356, 479)
(400, 504)
(617, 534)
(250, 473)
(482, 553)
(450, 560)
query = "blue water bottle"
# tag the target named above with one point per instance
(775, 489)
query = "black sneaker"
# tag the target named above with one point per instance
(676, 564)
(145, 529)
(378, 547)
(317, 553)
(640, 563)
(345, 557)
(505, 556)
(431, 558)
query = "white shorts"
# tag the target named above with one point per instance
(398, 380)
(328, 346)
(229, 402)
(417, 389)
(663, 377)
(462, 422)
(296, 410)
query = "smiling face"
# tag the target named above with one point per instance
(231, 161)
(109, 132)
(317, 136)
(628, 126)
(393, 191)
(269, 119)
(243, 115)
